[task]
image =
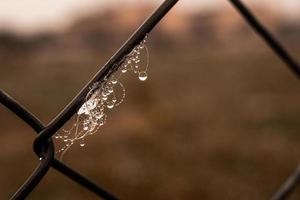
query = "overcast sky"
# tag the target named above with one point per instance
(31, 15)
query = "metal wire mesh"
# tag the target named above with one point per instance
(43, 145)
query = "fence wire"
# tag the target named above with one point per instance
(43, 144)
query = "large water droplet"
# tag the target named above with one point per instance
(143, 76)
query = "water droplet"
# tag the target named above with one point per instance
(82, 144)
(143, 76)
(99, 116)
(114, 81)
(109, 84)
(110, 90)
(104, 98)
(40, 158)
(110, 104)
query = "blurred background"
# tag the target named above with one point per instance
(218, 117)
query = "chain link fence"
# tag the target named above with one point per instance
(43, 144)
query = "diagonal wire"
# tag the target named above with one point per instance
(262, 31)
(44, 165)
(288, 186)
(40, 171)
(43, 145)
(291, 183)
(102, 74)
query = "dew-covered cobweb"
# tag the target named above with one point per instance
(102, 96)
